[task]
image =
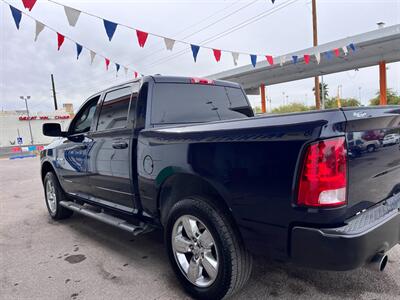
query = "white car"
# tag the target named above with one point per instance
(391, 139)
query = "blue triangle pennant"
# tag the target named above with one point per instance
(328, 55)
(195, 51)
(352, 47)
(117, 67)
(78, 50)
(295, 58)
(16, 15)
(253, 59)
(110, 28)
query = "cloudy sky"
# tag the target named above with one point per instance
(25, 65)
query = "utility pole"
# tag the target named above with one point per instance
(323, 92)
(339, 89)
(263, 104)
(315, 43)
(54, 92)
(29, 118)
(382, 76)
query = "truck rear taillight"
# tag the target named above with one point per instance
(201, 81)
(323, 178)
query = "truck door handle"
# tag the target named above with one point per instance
(82, 147)
(120, 145)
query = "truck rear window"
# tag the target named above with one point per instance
(194, 103)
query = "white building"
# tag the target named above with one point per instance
(15, 124)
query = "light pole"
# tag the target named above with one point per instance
(29, 118)
(315, 44)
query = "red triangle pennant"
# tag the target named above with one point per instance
(29, 4)
(135, 74)
(142, 37)
(60, 40)
(270, 59)
(217, 54)
(306, 59)
(337, 52)
(107, 63)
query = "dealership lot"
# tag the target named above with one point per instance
(80, 258)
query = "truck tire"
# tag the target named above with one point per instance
(53, 195)
(205, 250)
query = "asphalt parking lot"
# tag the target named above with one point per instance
(80, 258)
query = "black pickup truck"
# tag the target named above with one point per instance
(188, 155)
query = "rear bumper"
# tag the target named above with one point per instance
(351, 246)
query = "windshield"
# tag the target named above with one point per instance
(194, 103)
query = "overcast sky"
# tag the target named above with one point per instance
(25, 65)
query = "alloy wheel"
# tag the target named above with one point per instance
(195, 251)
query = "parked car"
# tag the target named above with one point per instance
(370, 146)
(187, 155)
(391, 139)
(357, 145)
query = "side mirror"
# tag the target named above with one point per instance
(53, 129)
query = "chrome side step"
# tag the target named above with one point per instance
(111, 220)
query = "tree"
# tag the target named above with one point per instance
(392, 98)
(326, 90)
(257, 110)
(292, 107)
(344, 102)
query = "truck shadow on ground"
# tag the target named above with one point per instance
(269, 278)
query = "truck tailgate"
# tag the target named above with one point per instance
(373, 167)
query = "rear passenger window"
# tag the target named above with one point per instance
(114, 111)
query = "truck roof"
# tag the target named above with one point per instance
(172, 79)
(187, 79)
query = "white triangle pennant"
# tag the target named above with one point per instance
(282, 60)
(72, 15)
(318, 57)
(169, 43)
(126, 71)
(39, 29)
(345, 51)
(92, 55)
(235, 57)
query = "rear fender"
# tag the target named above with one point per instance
(174, 186)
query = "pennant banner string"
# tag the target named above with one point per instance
(142, 35)
(17, 15)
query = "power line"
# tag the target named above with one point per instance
(188, 27)
(207, 26)
(136, 29)
(224, 33)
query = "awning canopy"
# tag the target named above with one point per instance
(371, 48)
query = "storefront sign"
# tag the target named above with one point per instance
(26, 118)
